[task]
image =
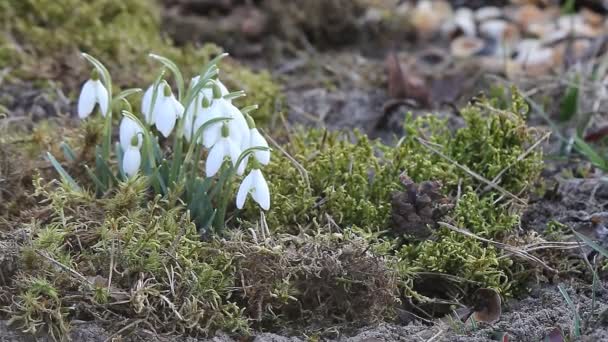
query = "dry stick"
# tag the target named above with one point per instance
(501, 245)
(66, 268)
(471, 172)
(126, 327)
(519, 158)
(301, 169)
(437, 335)
(111, 266)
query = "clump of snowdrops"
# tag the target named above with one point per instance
(198, 118)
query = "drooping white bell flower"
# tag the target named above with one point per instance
(221, 108)
(131, 160)
(224, 147)
(254, 184)
(93, 92)
(166, 111)
(131, 141)
(127, 130)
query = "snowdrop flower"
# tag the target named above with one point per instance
(254, 184)
(130, 135)
(127, 130)
(93, 92)
(166, 111)
(222, 108)
(131, 160)
(224, 147)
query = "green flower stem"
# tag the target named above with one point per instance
(194, 141)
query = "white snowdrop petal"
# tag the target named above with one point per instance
(131, 161)
(101, 95)
(261, 193)
(223, 89)
(257, 140)
(177, 107)
(154, 106)
(87, 99)
(211, 134)
(238, 125)
(146, 104)
(164, 117)
(235, 152)
(187, 133)
(244, 189)
(215, 158)
(207, 93)
(127, 130)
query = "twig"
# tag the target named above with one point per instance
(301, 169)
(437, 335)
(471, 172)
(111, 266)
(501, 245)
(519, 158)
(66, 268)
(126, 327)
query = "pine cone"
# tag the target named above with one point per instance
(416, 211)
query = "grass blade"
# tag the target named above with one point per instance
(68, 152)
(592, 244)
(179, 78)
(63, 173)
(577, 318)
(588, 151)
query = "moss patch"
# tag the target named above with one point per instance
(347, 180)
(127, 250)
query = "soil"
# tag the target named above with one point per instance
(346, 88)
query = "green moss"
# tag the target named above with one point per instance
(348, 181)
(38, 308)
(455, 254)
(143, 249)
(481, 216)
(342, 179)
(351, 178)
(493, 142)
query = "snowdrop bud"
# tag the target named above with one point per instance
(225, 130)
(254, 184)
(131, 161)
(250, 121)
(135, 141)
(167, 90)
(217, 91)
(206, 103)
